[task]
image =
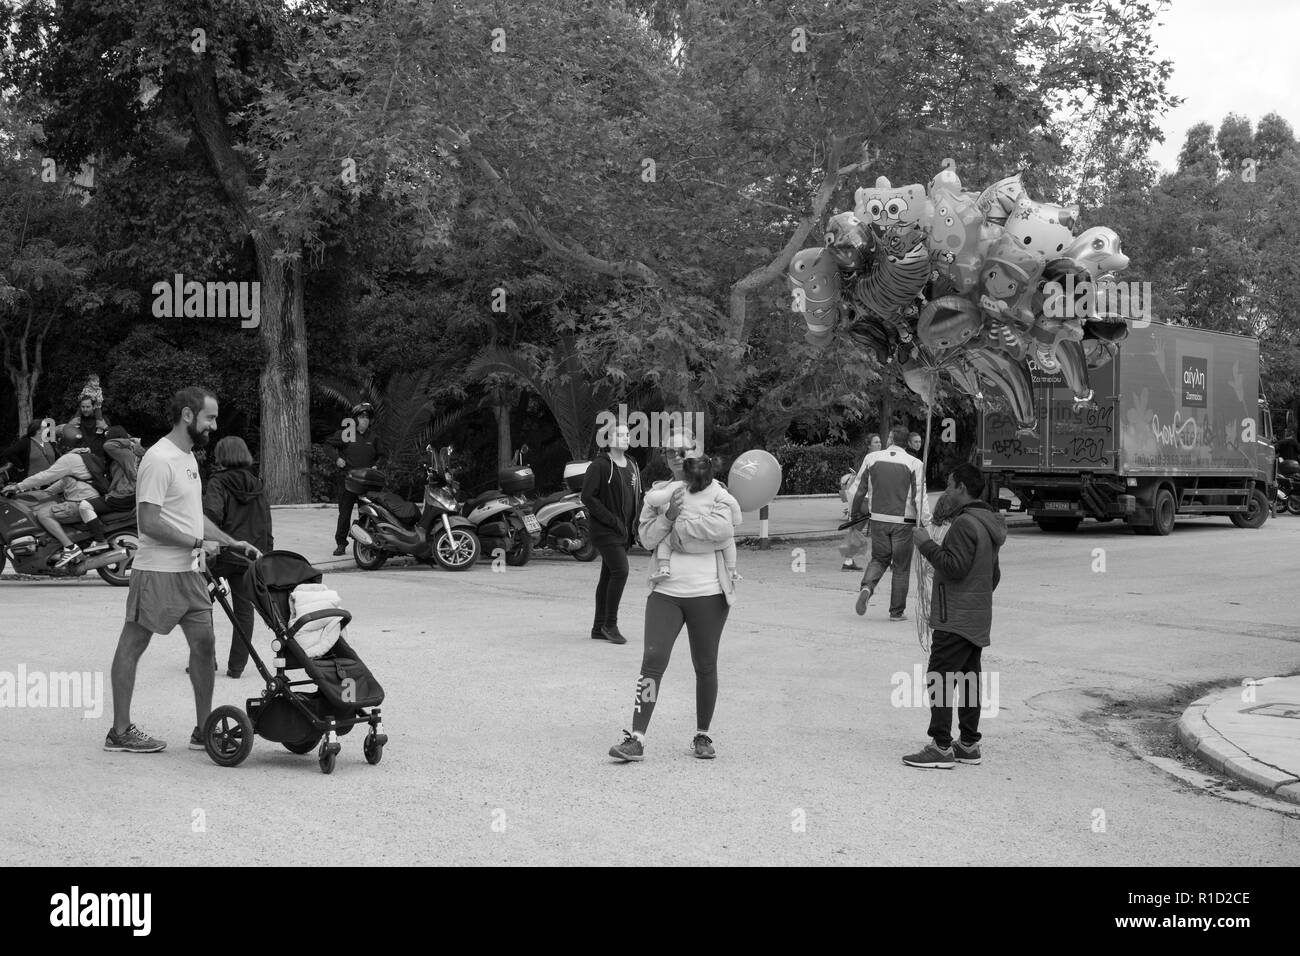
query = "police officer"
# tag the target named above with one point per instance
(362, 452)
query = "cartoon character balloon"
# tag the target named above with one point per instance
(970, 286)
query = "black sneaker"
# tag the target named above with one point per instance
(235, 674)
(341, 550)
(703, 745)
(931, 757)
(898, 617)
(629, 749)
(611, 634)
(196, 740)
(864, 595)
(964, 753)
(133, 740)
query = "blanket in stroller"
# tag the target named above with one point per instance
(316, 637)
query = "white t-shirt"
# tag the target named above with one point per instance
(169, 477)
(693, 575)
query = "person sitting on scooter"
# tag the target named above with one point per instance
(362, 452)
(70, 481)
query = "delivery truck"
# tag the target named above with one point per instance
(1176, 427)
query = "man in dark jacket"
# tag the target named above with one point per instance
(362, 451)
(93, 424)
(966, 573)
(611, 492)
(32, 453)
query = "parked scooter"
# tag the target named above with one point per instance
(32, 549)
(1288, 486)
(388, 525)
(502, 525)
(561, 517)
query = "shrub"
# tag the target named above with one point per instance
(815, 469)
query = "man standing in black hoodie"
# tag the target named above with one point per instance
(362, 451)
(966, 573)
(611, 492)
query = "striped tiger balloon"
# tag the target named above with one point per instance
(900, 271)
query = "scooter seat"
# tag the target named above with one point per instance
(551, 498)
(486, 496)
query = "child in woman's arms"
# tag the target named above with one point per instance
(704, 496)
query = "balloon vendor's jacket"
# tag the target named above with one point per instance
(966, 572)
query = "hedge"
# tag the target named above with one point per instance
(815, 469)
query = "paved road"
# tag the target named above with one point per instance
(501, 709)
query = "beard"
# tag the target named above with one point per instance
(200, 439)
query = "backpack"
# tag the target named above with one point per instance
(98, 478)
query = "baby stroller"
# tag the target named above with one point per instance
(346, 692)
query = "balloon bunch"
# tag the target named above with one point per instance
(975, 286)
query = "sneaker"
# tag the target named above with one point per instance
(966, 753)
(196, 740)
(235, 674)
(703, 745)
(341, 550)
(864, 595)
(931, 758)
(629, 749)
(133, 740)
(898, 617)
(611, 633)
(68, 555)
(850, 566)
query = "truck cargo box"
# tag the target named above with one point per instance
(1173, 401)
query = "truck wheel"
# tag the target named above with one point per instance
(1065, 525)
(1257, 513)
(1164, 512)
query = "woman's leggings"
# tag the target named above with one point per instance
(704, 618)
(609, 589)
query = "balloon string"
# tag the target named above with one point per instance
(923, 573)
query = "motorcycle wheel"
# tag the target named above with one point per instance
(458, 551)
(1292, 507)
(368, 558)
(119, 575)
(521, 547)
(588, 550)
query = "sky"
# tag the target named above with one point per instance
(1229, 56)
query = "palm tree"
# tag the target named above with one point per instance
(406, 419)
(560, 379)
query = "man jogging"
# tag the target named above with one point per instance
(166, 586)
(893, 490)
(966, 573)
(363, 451)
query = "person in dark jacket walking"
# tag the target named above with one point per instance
(32, 453)
(966, 573)
(236, 502)
(611, 492)
(362, 452)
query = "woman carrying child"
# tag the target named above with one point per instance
(697, 517)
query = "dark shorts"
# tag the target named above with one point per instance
(159, 600)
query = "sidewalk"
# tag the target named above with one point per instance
(1251, 733)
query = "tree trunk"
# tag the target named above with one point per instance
(285, 426)
(505, 454)
(23, 388)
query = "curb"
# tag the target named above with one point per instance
(1199, 736)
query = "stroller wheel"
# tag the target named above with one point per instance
(302, 746)
(228, 736)
(328, 752)
(374, 747)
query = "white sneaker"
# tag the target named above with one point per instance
(68, 555)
